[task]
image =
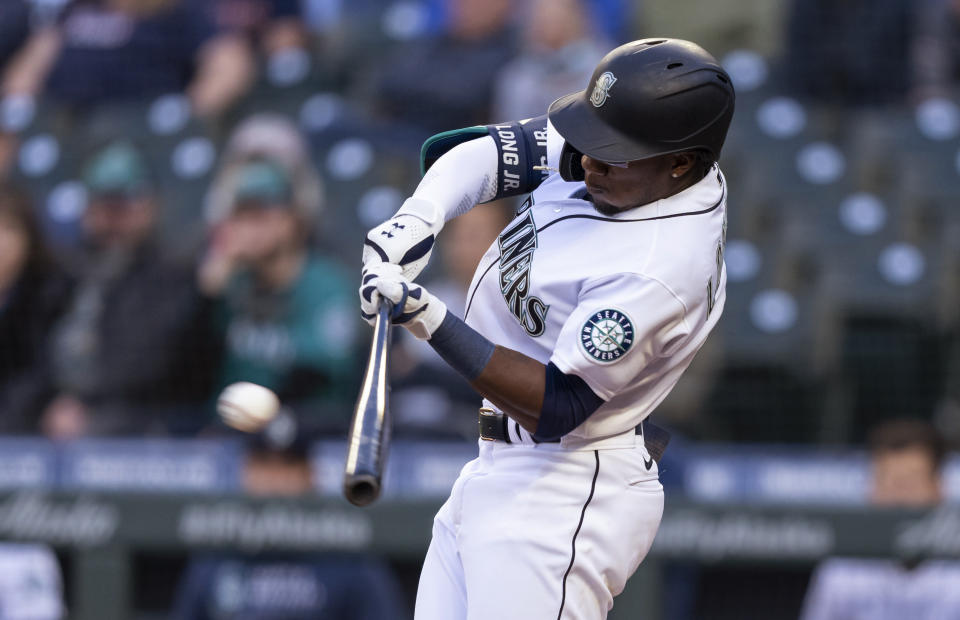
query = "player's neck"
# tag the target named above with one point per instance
(677, 186)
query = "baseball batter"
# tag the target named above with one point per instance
(579, 321)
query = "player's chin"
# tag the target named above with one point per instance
(604, 207)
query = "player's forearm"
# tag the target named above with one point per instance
(462, 178)
(515, 384)
(543, 399)
(510, 380)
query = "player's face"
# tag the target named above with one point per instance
(620, 187)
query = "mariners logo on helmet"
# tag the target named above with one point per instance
(601, 89)
(607, 335)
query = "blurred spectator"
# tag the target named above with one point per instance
(272, 25)
(612, 17)
(286, 314)
(32, 295)
(323, 15)
(14, 32)
(110, 50)
(756, 25)
(906, 460)
(560, 52)
(31, 586)
(850, 51)
(278, 586)
(277, 462)
(428, 396)
(272, 137)
(130, 349)
(935, 54)
(445, 82)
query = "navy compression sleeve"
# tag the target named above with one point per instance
(567, 402)
(461, 346)
(567, 399)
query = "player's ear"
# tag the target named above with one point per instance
(682, 163)
(570, 167)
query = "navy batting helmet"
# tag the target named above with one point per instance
(646, 98)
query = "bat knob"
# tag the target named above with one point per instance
(362, 490)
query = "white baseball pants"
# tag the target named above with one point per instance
(534, 532)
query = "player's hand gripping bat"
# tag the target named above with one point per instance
(369, 437)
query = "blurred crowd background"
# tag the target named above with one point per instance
(185, 186)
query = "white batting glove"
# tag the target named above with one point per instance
(414, 307)
(406, 239)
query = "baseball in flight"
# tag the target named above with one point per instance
(247, 406)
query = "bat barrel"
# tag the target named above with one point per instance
(370, 431)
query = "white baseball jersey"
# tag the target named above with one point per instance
(623, 301)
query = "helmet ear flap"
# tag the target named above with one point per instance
(570, 167)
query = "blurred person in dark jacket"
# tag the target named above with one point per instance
(114, 50)
(286, 586)
(132, 348)
(284, 312)
(447, 80)
(906, 462)
(32, 295)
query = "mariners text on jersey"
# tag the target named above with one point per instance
(517, 245)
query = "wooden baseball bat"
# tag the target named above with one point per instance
(370, 430)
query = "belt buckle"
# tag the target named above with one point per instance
(490, 413)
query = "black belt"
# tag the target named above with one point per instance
(493, 427)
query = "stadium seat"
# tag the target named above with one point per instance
(46, 167)
(887, 292)
(367, 172)
(793, 155)
(768, 386)
(177, 146)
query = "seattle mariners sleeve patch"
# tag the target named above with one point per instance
(607, 335)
